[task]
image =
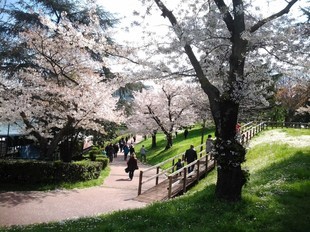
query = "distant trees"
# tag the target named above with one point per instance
(167, 108)
(294, 97)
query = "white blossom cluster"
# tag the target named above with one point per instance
(278, 46)
(166, 108)
(65, 82)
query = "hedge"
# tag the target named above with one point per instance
(22, 171)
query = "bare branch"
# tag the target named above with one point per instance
(272, 17)
(212, 90)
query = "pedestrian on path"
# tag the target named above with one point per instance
(186, 133)
(126, 151)
(143, 154)
(209, 144)
(190, 156)
(131, 149)
(132, 165)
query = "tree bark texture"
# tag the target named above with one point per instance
(229, 153)
(169, 141)
(154, 140)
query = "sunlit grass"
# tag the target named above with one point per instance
(296, 132)
(180, 145)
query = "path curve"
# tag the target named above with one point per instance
(116, 193)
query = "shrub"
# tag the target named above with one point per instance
(94, 153)
(104, 161)
(34, 172)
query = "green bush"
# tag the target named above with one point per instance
(94, 153)
(104, 161)
(34, 172)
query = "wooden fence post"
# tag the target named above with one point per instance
(140, 183)
(157, 171)
(184, 179)
(198, 169)
(170, 187)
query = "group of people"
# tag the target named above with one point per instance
(132, 163)
(123, 146)
(191, 155)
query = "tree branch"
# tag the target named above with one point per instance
(212, 91)
(228, 19)
(272, 17)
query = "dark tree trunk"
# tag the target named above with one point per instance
(229, 154)
(65, 131)
(229, 183)
(169, 141)
(47, 150)
(154, 140)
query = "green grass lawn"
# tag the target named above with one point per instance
(276, 198)
(180, 145)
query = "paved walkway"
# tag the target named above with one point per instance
(116, 193)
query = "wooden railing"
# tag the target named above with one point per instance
(160, 172)
(199, 169)
(250, 132)
(247, 132)
(289, 125)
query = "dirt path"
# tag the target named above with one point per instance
(116, 193)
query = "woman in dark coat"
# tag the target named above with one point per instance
(132, 165)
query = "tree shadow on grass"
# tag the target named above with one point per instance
(286, 186)
(278, 200)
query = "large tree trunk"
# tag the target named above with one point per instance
(154, 139)
(169, 141)
(47, 150)
(229, 154)
(65, 131)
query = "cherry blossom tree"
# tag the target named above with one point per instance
(167, 108)
(293, 96)
(230, 48)
(65, 88)
(140, 123)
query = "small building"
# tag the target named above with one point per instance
(13, 142)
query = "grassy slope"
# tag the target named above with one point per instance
(275, 199)
(180, 145)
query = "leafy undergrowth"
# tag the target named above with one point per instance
(63, 185)
(275, 199)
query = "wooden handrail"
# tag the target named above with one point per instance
(245, 137)
(170, 159)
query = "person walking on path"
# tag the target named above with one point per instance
(132, 165)
(190, 156)
(143, 154)
(126, 151)
(209, 144)
(116, 149)
(186, 133)
(179, 165)
(131, 149)
(110, 152)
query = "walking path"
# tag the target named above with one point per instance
(116, 193)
